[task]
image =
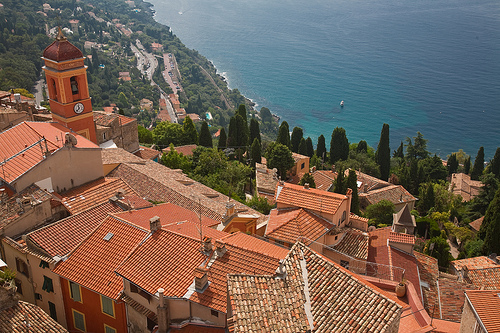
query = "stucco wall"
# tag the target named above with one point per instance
(32, 216)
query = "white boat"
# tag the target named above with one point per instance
(341, 103)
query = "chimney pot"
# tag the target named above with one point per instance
(154, 224)
(306, 186)
(207, 244)
(160, 296)
(200, 278)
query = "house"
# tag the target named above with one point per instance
(403, 221)
(10, 117)
(482, 272)
(265, 182)
(186, 150)
(156, 46)
(19, 316)
(304, 294)
(116, 130)
(461, 184)
(324, 179)
(481, 311)
(148, 153)
(146, 104)
(47, 154)
(300, 167)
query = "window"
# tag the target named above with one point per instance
(22, 267)
(151, 324)
(47, 284)
(109, 329)
(107, 306)
(38, 296)
(79, 320)
(104, 136)
(74, 290)
(336, 237)
(344, 264)
(74, 85)
(52, 311)
(302, 166)
(43, 264)
(214, 313)
(133, 288)
(343, 216)
(19, 286)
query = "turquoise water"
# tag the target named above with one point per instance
(431, 65)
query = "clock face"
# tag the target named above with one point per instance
(78, 108)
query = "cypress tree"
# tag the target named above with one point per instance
(399, 152)
(478, 168)
(254, 130)
(467, 165)
(242, 111)
(232, 140)
(452, 164)
(352, 183)
(309, 179)
(362, 147)
(222, 139)
(383, 154)
(241, 130)
(256, 152)
(302, 147)
(338, 186)
(297, 135)
(309, 146)
(321, 148)
(284, 135)
(495, 164)
(190, 131)
(491, 226)
(339, 145)
(205, 137)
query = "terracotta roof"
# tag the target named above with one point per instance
(462, 185)
(168, 214)
(339, 301)
(324, 179)
(192, 229)
(291, 225)
(25, 317)
(186, 150)
(312, 199)
(23, 146)
(102, 118)
(93, 262)
(480, 262)
(394, 193)
(485, 278)
(397, 237)
(156, 182)
(265, 180)
(197, 329)
(353, 216)
(404, 218)
(147, 153)
(61, 50)
(370, 182)
(61, 237)
(94, 193)
(486, 304)
(119, 155)
(354, 244)
(476, 224)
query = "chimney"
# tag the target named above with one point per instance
(162, 313)
(281, 270)
(154, 224)
(200, 279)
(230, 209)
(365, 188)
(207, 244)
(120, 193)
(306, 186)
(494, 257)
(220, 248)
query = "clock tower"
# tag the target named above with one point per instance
(66, 77)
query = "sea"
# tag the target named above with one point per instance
(423, 65)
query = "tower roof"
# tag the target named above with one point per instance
(61, 49)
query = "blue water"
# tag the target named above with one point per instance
(427, 65)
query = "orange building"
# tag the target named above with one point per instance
(66, 77)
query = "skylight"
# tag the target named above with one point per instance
(108, 236)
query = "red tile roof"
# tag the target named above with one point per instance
(476, 224)
(397, 237)
(197, 329)
(147, 153)
(354, 244)
(168, 214)
(394, 193)
(94, 193)
(61, 237)
(192, 229)
(61, 50)
(486, 304)
(93, 262)
(102, 118)
(25, 317)
(297, 224)
(186, 150)
(324, 179)
(474, 263)
(485, 278)
(23, 146)
(312, 199)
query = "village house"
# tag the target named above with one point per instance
(481, 311)
(461, 184)
(115, 130)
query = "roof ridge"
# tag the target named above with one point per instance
(244, 247)
(42, 136)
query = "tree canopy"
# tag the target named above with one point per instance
(284, 134)
(280, 157)
(383, 154)
(339, 145)
(297, 135)
(205, 136)
(478, 168)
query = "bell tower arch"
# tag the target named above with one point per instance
(66, 77)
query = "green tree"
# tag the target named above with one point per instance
(494, 166)
(362, 147)
(309, 147)
(256, 152)
(166, 133)
(174, 160)
(486, 194)
(190, 131)
(321, 148)
(399, 152)
(380, 213)
(383, 154)
(208, 161)
(352, 183)
(339, 145)
(452, 164)
(280, 157)
(427, 198)
(242, 111)
(433, 169)
(491, 226)
(307, 178)
(145, 136)
(205, 136)
(265, 115)
(222, 139)
(236, 175)
(260, 204)
(284, 134)
(467, 165)
(478, 168)
(254, 130)
(232, 135)
(417, 149)
(297, 135)
(440, 250)
(302, 147)
(339, 184)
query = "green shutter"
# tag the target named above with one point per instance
(79, 320)
(43, 264)
(47, 284)
(107, 305)
(75, 292)
(52, 311)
